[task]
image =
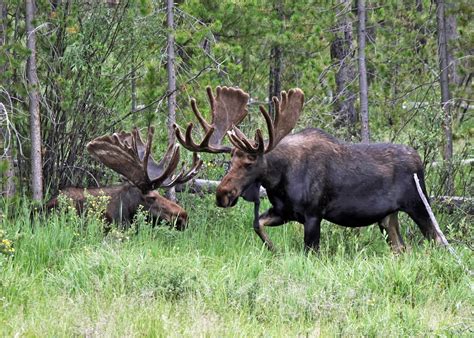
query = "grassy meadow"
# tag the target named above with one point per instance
(65, 278)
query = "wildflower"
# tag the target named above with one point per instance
(6, 245)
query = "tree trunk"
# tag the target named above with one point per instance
(451, 36)
(133, 80)
(341, 52)
(3, 30)
(9, 187)
(363, 87)
(8, 184)
(421, 28)
(274, 83)
(133, 88)
(35, 125)
(274, 80)
(445, 95)
(458, 68)
(171, 83)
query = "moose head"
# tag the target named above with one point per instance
(126, 154)
(248, 163)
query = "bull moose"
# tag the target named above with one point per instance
(310, 175)
(126, 154)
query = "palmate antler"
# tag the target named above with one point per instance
(228, 108)
(287, 112)
(126, 154)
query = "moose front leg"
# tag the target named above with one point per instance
(268, 218)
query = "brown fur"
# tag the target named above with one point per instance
(124, 202)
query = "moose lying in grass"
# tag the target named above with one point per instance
(310, 175)
(126, 154)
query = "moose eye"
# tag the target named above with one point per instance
(252, 157)
(150, 199)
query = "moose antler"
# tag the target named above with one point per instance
(287, 112)
(228, 108)
(126, 154)
(184, 176)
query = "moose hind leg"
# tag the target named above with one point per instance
(391, 227)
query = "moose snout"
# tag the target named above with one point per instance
(226, 198)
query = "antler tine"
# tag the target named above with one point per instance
(188, 143)
(240, 143)
(270, 125)
(184, 176)
(198, 114)
(278, 103)
(211, 98)
(239, 140)
(142, 150)
(287, 110)
(149, 140)
(228, 107)
(237, 134)
(193, 171)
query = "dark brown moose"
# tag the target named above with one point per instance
(126, 154)
(310, 175)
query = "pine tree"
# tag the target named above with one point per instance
(445, 95)
(35, 123)
(363, 87)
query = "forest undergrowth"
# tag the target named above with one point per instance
(62, 276)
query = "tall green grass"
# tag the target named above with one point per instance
(68, 278)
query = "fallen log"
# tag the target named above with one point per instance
(468, 161)
(451, 203)
(200, 186)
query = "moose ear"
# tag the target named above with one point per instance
(252, 193)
